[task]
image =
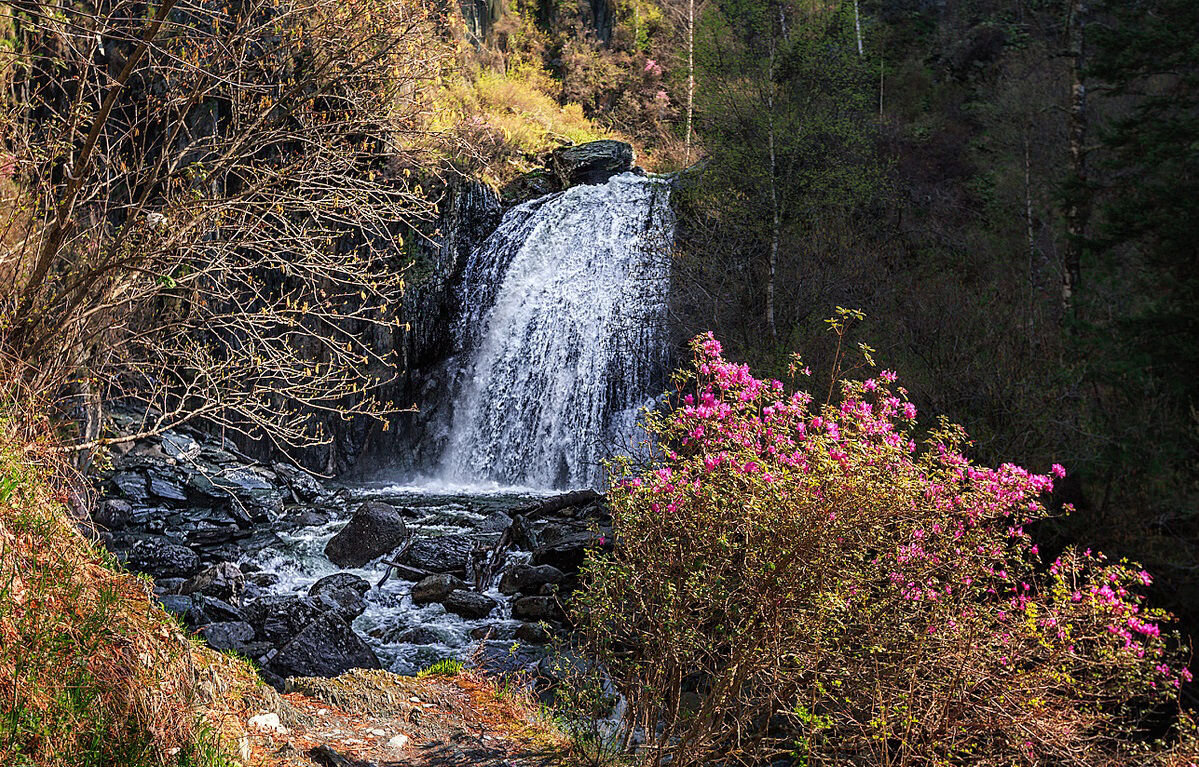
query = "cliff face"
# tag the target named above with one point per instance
(469, 211)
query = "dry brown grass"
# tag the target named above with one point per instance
(92, 671)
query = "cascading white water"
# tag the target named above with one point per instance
(563, 328)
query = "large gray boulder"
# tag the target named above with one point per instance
(375, 529)
(592, 163)
(343, 593)
(326, 647)
(470, 604)
(435, 588)
(528, 578)
(443, 554)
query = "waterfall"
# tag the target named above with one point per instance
(562, 333)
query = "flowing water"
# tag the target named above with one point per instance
(561, 341)
(563, 335)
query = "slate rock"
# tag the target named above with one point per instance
(113, 514)
(224, 581)
(279, 618)
(160, 558)
(303, 486)
(375, 529)
(227, 635)
(131, 485)
(343, 593)
(443, 554)
(435, 588)
(164, 488)
(175, 604)
(213, 610)
(528, 578)
(326, 647)
(469, 604)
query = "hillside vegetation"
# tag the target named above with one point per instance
(92, 670)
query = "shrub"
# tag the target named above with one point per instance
(805, 579)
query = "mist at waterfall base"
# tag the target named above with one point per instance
(560, 342)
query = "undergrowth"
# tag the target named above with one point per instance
(92, 671)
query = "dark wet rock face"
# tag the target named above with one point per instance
(343, 593)
(443, 554)
(592, 163)
(376, 529)
(326, 647)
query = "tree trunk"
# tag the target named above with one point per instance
(775, 218)
(1077, 207)
(690, 77)
(857, 25)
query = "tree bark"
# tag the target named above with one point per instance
(857, 25)
(690, 77)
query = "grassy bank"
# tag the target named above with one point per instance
(92, 670)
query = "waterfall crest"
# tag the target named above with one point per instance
(563, 335)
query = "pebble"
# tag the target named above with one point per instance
(267, 722)
(399, 742)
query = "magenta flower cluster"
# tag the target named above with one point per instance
(895, 521)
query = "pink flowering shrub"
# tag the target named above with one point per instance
(814, 580)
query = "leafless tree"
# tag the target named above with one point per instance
(206, 206)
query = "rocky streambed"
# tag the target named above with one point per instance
(310, 578)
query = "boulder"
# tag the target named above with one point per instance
(342, 593)
(469, 604)
(224, 581)
(158, 557)
(279, 618)
(444, 554)
(592, 163)
(566, 552)
(533, 633)
(535, 608)
(435, 588)
(528, 578)
(228, 635)
(375, 529)
(326, 647)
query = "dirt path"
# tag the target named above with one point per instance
(383, 720)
